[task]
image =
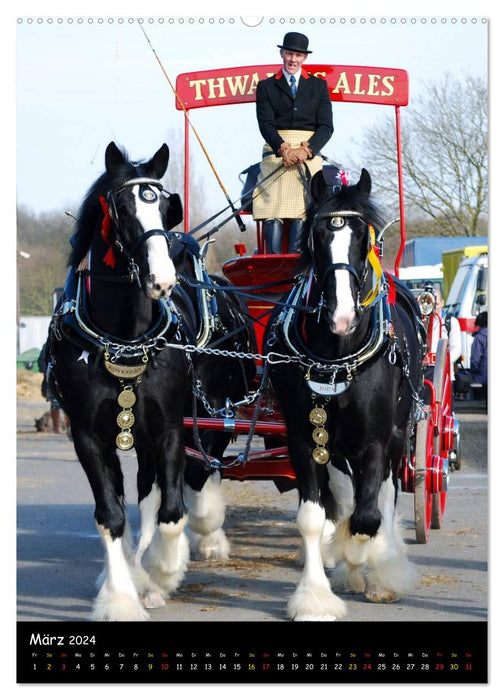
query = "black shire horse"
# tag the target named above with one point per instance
(219, 382)
(121, 381)
(348, 399)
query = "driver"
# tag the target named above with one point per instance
(294, 115)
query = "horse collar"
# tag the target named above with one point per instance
(74, 322)
(333, 377)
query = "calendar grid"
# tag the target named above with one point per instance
(252, 653)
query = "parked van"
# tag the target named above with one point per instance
(468, 296)
(452, 259)
(415, 276)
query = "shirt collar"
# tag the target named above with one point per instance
(287, 76)
(300, 74)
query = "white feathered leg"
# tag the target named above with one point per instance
(117, 599)
(150, 593)
(348, 577)
(313, 599)
(206, 517)
(376, 566)
(389, 573)
(168, 555)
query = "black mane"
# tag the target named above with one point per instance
(349, 197)
(90, 215)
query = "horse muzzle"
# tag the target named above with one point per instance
(343, 323)
(161, 277)
(156, 288)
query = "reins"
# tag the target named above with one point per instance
(232, 216)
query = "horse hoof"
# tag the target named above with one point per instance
(313, 618)
(349, 579)
(153, 600)
(316, 603)
(215, 547)
(117, 607)
(375, 594)
(212, 547)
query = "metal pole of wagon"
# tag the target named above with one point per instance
(401, 192)
(189, 123)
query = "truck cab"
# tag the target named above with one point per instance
(467, 297)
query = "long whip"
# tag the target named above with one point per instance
(183, 107)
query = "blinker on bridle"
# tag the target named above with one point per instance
(148, 195)
(337, 221)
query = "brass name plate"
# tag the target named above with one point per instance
(124, 371)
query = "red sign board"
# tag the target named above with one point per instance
(224, 86)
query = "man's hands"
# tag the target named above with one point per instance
(292, 156)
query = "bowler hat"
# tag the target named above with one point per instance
(293, 41)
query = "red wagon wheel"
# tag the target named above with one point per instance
(423, 494)
(443, 393)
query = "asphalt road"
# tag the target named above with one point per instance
(60, 556)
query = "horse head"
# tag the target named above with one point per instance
(140, 218)
(338, 244)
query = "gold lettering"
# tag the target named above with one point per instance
(342, 84)
(387, 80)
(373, 84)
(219, 84)
(253, 83)
(237, 84)
(197, 84)
(320, 74)
(357, 90)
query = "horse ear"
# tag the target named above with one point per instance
(157, 165)
(319, 187)
(364, 184)
(114, 158)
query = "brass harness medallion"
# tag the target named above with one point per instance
(126, 399)
(318, 418)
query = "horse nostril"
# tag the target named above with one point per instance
(166, 290)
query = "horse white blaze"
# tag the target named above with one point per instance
(161, 266)
(344, 313)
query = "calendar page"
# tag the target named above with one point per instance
(240, 461)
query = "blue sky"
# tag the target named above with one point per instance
(83, 83)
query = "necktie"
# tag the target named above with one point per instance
(293, 86)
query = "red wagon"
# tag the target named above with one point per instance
(433, 449)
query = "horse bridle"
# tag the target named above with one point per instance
(338, 217)
(148, 195)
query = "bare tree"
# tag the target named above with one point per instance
(445, 156)
(222, 246)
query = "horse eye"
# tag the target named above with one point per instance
(337, 222)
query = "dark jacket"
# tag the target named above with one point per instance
(310, 110)
(479, 358)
